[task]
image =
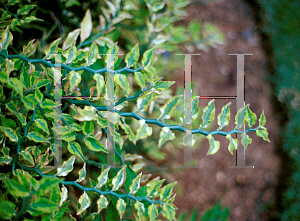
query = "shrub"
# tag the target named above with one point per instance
(31, 135)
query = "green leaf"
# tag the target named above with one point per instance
(263, 133)
(93, 144)
(84, 202)
(63, 195)
(135, 184)
(36, 137)
(224, 116)
(41, 124)
(92, 54)
(121, 207)
(123, 82)
(208, 114)
(169, 212)
(239, 118)
(233, 143)
(145, 100)
(31, 18)
(246, 140)
(140, 209)
(75, 79)
(129, 132)
(102, 203)
(67, 167)
(152, 212)
(74, 148)
(262, 119)
(88, 127)
(118, 180)
(140, 79)
(166, 192)
(48, 183)
(143, 131)
(250, 117)
(86, 26)
(87, 114)
(163, 85)
(213, 145)
(165, 135)
(99, 83)
(167, 110)
(133, 56)
(7, 209)
(42, 205)
(10, 133)
(25, 78)
(148, 57)
(15, 188)
(25, 9)
(12, 2)
(102, 178)
(157, 6)
(72, 37)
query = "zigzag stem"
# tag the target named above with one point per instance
(92, 189)
(49, 64)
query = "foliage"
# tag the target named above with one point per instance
(279, 22)
(33, 189)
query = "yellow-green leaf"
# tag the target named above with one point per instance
(63, 195)
(246, 140)
(208, 114)
(72, 37)
(42, 124)
(213, 145)
(121, 207)
(24, 10)
(81, 173)
(71, 53)
(52, 49)
(102, 203)
(75, 79)
(140, 209)
(262, 119)
(148, 57)
(129, 132)
(86, 26)
(224, 116)
(250, 117)
(140, 79)
(167, 110)
(67, 167)
(165, 135)
(168, 212)
(99, 83)
(74, 148)
(263, 133)
(84, 202)
(166, 192)
(94, 145)
(145, 100)
(88, 127)
(111, 56)
(233, 143)
(133, 56)
(118, 180)
(135, 185)
(123, 82)
(6, 38)
(143, 131)
(13, 109)
(240, 118)
(153, 187)
(102, 178)
(10, 133)
(152, 212)
(91, 56)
